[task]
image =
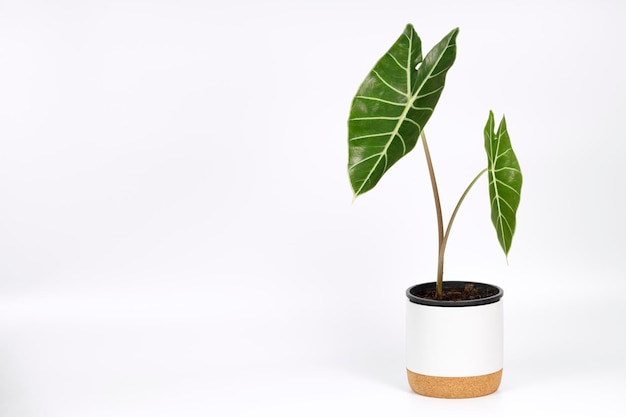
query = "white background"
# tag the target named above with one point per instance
(177, 231)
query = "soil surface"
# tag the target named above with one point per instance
(468, 292)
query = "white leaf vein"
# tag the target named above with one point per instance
(380, 100)
(391, 87)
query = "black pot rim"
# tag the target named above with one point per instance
(411, 291)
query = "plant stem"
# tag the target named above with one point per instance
(456, 209)
(443, 238)
(442, 246)
(433, 182)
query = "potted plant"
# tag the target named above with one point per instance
(454, 329)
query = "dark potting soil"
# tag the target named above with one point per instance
(467, 292)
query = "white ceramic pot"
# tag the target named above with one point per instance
(454, 349)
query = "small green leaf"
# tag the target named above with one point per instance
(393, 104)
(505, 181)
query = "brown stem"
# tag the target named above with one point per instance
(433, 182)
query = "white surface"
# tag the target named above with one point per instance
(176, 229)
(454, 342)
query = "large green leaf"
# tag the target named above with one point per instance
(505, 181)
(393, 104)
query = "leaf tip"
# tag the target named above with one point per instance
(453, 34)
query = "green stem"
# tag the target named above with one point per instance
(442, 247)
(433, 182)
(458, 205)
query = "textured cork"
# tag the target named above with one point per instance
(454, 387)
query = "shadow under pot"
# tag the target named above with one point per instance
(454, 346)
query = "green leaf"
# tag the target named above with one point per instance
(393, 104)
(505, 181)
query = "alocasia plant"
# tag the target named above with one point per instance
(387, 118)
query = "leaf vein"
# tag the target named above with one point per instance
(380, 100)
(391, 87)
(374, 135)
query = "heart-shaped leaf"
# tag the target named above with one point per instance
(393, 104)
(505, 181)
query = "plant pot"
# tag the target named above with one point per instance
(454, 348)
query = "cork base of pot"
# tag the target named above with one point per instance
(454, 387)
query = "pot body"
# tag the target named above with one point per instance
(454, 349)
